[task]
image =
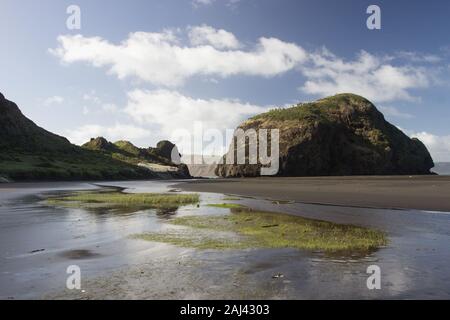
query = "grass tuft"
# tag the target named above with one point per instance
(147, 200)
(255, 229)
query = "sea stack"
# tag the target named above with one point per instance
(340, 135)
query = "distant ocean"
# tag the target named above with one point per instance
(442, 168)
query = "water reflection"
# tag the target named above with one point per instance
(414, 265)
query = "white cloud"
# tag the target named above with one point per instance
(159, 58)
(53, 100)
(119, 131)
(368, 75)
(171, 111)
(218, 38)
(198, 3)
(394, 112)
(419, 57)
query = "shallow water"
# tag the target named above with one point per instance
(38, 242)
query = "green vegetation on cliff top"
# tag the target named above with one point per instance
(127, 152)
(317, 110)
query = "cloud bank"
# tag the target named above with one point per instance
(171, 110)
(219, 39)
(160, 59)
(368, 75)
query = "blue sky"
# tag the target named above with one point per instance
(139, 70)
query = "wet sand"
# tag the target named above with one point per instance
(38, 242)
(390, 192)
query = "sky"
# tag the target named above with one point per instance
(140, 70)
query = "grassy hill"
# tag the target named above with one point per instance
(127, 152)
(29, 152)
(158, 158)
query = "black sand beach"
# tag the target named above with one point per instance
(402, 192)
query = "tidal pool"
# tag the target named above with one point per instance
(39, 240)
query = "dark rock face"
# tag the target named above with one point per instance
(20, 133)
(340, 135)
(164, 148)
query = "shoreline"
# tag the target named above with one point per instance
(428, 193)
